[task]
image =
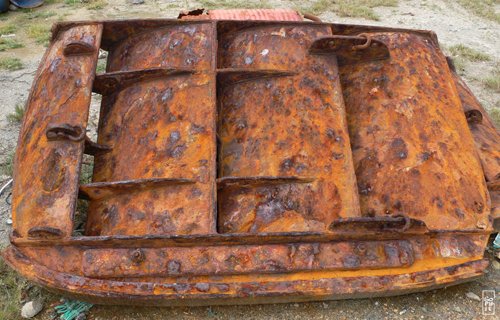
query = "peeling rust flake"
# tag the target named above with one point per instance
(251, 161)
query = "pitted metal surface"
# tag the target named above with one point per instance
(252, 162)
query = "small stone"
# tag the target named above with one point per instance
(103, 54)
(9, 221)
(137, 1)
(457, 309)
(81, 316)
(53, 315)
(296, 305)
(13, 7)
(377, 303)
(473, 296)
(402, 312)
(325, 305)
(496, 265)
(31, 309)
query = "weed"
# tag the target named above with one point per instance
(349, 8)
(39, 32)
(317, 7)
(468, 53)
(482, 8)
(96, 4)
(82, 206)
(11, 64)
(460, 64)
(495, 115)
(87, 170)
(17, 115)
(7, 167)
(492, 82)
(8, 29)
(90, 4)
(11, 290)
(8, 43)
(101, 66)
(37, 14)
(72, 2)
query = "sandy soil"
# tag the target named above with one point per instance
(453, 25)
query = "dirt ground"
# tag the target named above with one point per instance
(455, 25)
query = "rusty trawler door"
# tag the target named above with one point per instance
(251, 162)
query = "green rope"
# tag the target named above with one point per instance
(496, 243)
(69, 310)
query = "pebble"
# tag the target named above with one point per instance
(9, 221)
(81, 316)
(103, 54)
(496, 265)
(31, 309)
(473, 296)
(13, 7)
(137, 1)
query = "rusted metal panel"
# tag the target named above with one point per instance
(447, 260)
(51, 139)
(412, 150)
(486, 135)
(224, 171)
(486, 138)
(246, 259)
(148, 108)
(243, 14)
(284, 157)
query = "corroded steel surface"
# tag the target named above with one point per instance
(51, 136)
(413, 152)
(486, 138)
(274, 127)
(252, 162)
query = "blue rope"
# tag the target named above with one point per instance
(69, 310)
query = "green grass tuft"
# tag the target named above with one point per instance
(39, 32)
(7, 167)
(17, 115)
(348, 8)
(89, 4)
(11, 290)
(11, 64)
(495, 115)
(482, 8)
(468, 53)
(493, 83)
(101, 66)
(32, 14)
(9, 43)
(8, 29)
(96, 4)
